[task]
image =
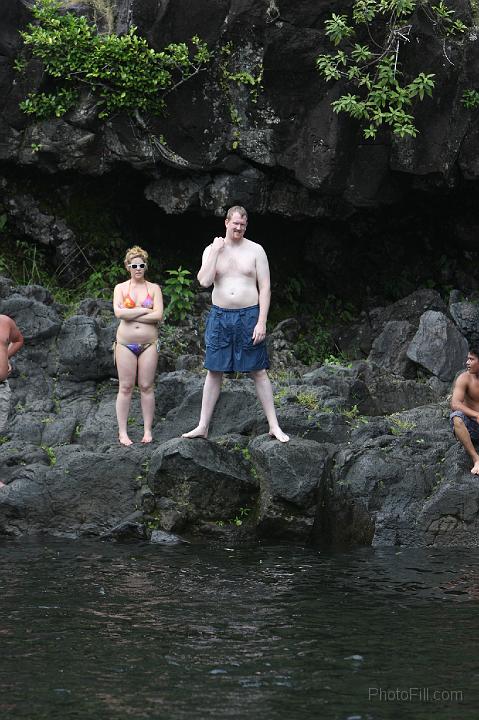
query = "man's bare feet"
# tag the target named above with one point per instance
(199, 431)
(2, 484)
(124, 439)
(475, 469)
(147, 438)
(278, 434)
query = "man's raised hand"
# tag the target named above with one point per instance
(218, 244)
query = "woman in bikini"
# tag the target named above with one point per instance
(139, 306)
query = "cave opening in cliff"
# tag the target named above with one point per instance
(363, 257)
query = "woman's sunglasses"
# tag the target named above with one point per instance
(135, 266)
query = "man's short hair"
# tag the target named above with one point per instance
(236, 209)
(474, 349)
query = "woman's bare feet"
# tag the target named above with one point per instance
(124, 439)
(147, 438)
(199, 431)
(278, 434)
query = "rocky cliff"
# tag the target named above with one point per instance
(401, 211)
(371, 459)
(295, 157)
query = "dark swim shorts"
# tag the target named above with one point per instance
(469, 422)
(229, 341)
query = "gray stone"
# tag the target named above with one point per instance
(35, 320)
(438, 346)
(291, 478)
(85, 348)
(389, 348)
(201, 479)
(466, 317)
(159, 537)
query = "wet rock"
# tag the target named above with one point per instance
(130, 528)
(159, 537)
(200, 480)
(80, 491)
(377, 490)
(291, 477)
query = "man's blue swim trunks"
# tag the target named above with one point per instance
(469, 422)
(229, 341)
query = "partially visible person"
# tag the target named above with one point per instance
(11, 340)
(465, 407)
(139, 306)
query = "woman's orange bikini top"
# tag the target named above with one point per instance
(129, 303)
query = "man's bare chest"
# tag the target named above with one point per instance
(473, 390)
(233, 264)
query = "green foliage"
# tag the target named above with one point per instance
(313, 346)
(399, 426)
(51, 454)
(3, 221)
(470, 99)
(241, 516)
(230, 78)
(100, 282)
(372, 69)
(353, 416)
(177, 288)
(28, 267)
(337, 360)
(308, 400)
(123, 72)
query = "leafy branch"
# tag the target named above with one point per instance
(122, 71)
(373, 68)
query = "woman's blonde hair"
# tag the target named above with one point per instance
(135, 251)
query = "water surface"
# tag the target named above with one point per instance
(95, 630)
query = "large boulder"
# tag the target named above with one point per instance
(291, 477)
(197, 480)
(71, 492)
(438, 346)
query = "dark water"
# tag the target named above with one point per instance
(92, 630)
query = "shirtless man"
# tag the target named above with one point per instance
(236, 325)
(11, 340)
(465, 407)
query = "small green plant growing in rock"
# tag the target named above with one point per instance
(241, 516)
(280, 395)
(400, 426)
(178, 289)
(232, 77)
(354, 417)
(337, 360)
(51, 454)
(3, 439)
(308, 400)
(470, 99)
(369, 57)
